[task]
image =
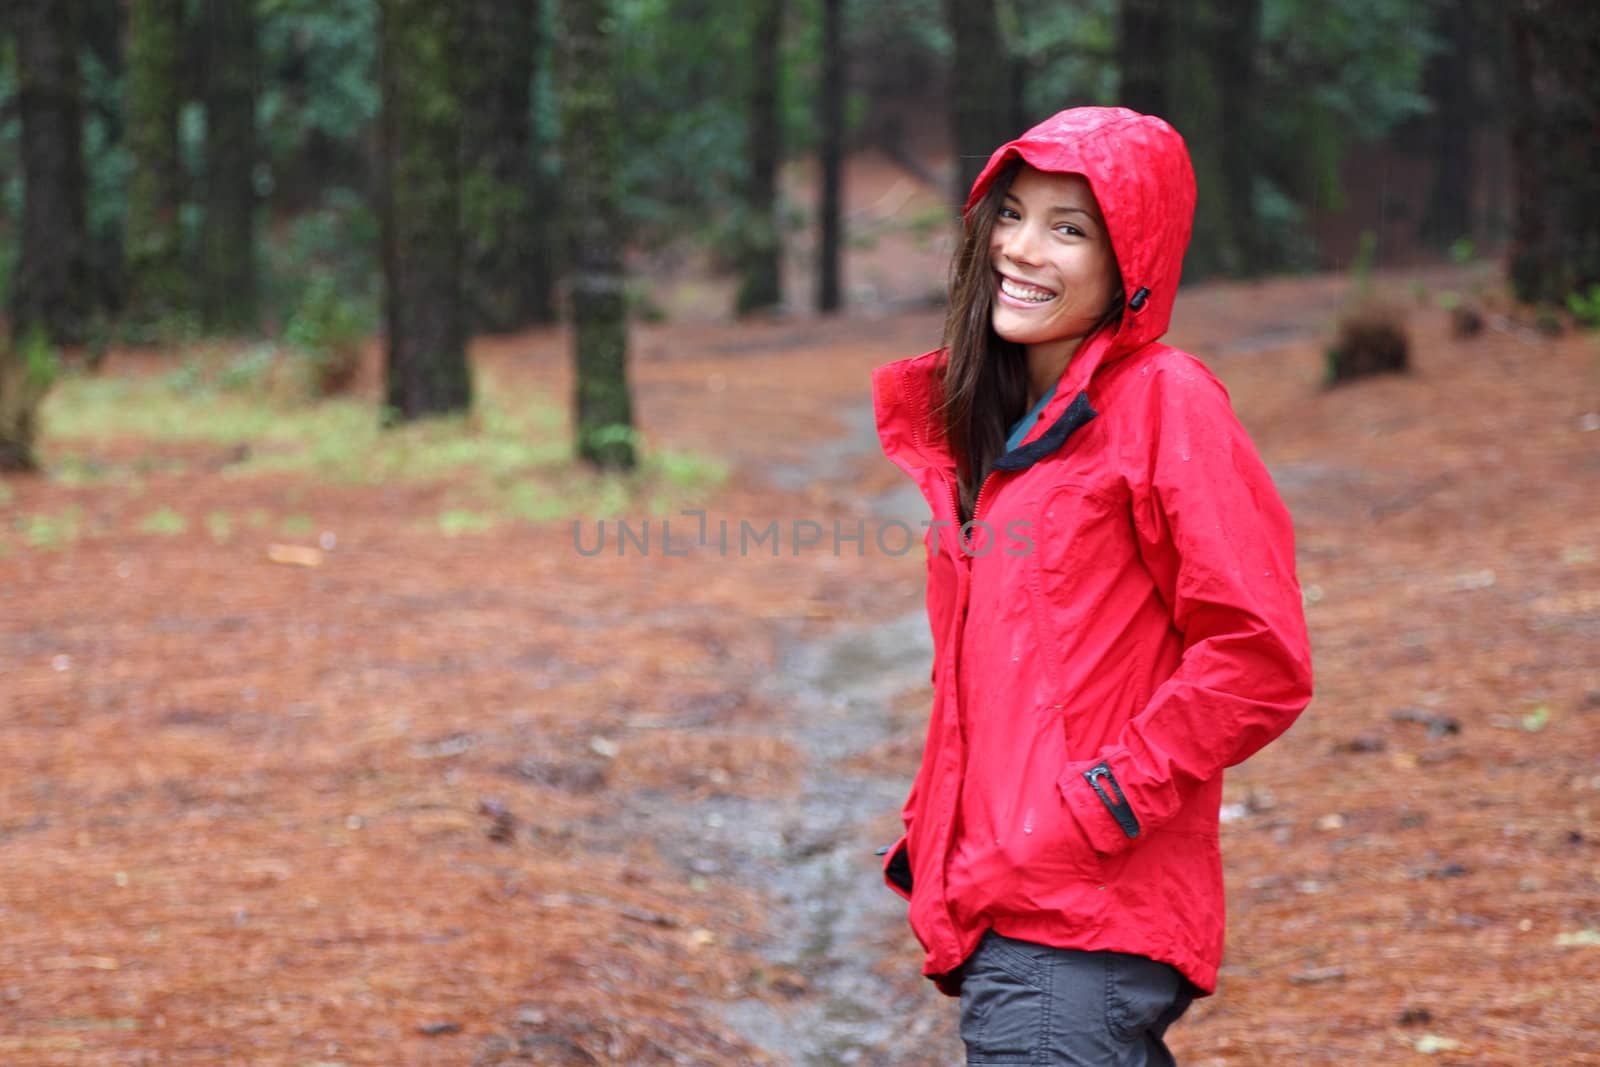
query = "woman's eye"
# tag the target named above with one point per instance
(1009, 213)
(1069, 230)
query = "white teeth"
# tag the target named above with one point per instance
(1030, 293)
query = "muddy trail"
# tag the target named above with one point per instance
(812, 854)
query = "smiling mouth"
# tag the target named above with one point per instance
(1024, 293)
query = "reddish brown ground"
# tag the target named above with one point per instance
(253, 812)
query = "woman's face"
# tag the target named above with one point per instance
(1055, 272)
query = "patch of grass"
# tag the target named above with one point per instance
(687, 470)
(6, 493)
(100, 409)
(297, 526)
(534, 502)
(51, 531)
(1585, 307)
(76, 471)
(164, 521)
(220, 526)
(511, 458)
(461, 521)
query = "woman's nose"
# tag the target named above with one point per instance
(1020, 244)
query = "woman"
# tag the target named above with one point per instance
(1112, 596)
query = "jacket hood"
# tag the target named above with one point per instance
(1140, 172)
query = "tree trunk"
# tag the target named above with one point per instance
(590, 149)
(761, 285)
(1233, 52)
(426, 369)
(980, 88)
(1555, 246)
(830, 156)
(228, 237)
(51, 287)
(104, 27)
(508, 255)
(1455, 119)
(1144, 48)
(154, 241)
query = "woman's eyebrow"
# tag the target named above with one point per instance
(1058, 209)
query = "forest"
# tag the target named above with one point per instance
(331, 329)
(309, 172)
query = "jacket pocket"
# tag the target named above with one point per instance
(1039, 837)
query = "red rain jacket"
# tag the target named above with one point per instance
(1123, 624)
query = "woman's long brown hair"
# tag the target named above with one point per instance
(986, 376)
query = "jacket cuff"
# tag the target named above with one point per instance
(1101, 806)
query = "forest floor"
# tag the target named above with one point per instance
(327, 747)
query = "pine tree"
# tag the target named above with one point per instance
(426, 371)
(228, 237)
(590, 147)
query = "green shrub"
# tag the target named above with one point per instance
(1585, 307)
(328, 330)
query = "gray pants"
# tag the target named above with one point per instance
(1023, 1003)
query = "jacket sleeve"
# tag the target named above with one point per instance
(1219, 543)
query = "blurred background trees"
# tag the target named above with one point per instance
(176, 167)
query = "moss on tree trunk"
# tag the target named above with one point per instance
(590, 147)
(426, 369)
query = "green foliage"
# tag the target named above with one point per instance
(28, 369)
(319, 96)
(684, 119)
(460, 521)
(684, 87)
(1068, 52)
(250, 369)
(41, 365)
(328, 330)
(1585, 306)
(1337, 74)
(51, 531)
(335, 244)
(164, 521)
(205, 371)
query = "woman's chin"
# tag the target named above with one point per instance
(1019, 328)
